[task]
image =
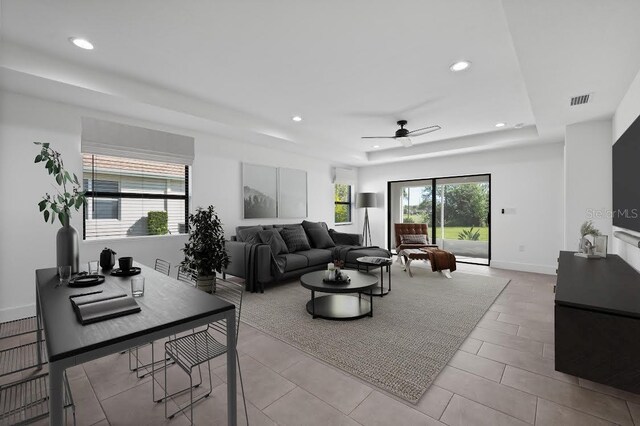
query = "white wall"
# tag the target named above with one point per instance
(527, 179)
(626, 113)
(588, 177)
(27, 243)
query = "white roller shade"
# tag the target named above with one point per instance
(345, 176)
(120, 140)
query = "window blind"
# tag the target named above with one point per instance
(345, 176)
(103, 137)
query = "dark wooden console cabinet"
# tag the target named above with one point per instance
(597, 320)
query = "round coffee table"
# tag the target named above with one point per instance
(337, 305)
(381, 262)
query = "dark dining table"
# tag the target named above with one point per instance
(168, 307)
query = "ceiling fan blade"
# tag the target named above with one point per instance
(424, 131)
(377, 137)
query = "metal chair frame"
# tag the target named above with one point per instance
(190, 277)
(26, 400)
(163, 267)
(195, 349)
(33, 404)
(18, 327)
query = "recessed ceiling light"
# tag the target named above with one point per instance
(81, 43)
(519, 125)
(460, 66)
(501, 124)
(296, 118)
(375, 146)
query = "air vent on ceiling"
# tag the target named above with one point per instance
(580, 100)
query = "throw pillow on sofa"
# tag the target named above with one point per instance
(295, 238)
(249, 235)
(318, 234)
(275, 241)
(413, 239)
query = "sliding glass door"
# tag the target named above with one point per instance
(455, 209)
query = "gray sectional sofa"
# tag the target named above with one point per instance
(264, 254)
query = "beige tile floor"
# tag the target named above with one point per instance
(502, 375)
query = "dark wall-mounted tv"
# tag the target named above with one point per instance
(626, 179)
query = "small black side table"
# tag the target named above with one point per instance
(368, 262)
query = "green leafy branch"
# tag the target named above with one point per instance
(72, 196)
(587, 228)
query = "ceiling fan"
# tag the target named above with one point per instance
(404, 135)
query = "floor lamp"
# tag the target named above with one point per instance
(366, 200)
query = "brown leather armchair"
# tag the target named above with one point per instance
(411, 229)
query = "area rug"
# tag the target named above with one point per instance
(414, 331)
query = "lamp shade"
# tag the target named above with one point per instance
(366, 199)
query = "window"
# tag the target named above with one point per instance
(102, 208)
(342, 203)
(121, 192)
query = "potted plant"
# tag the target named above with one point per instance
(205, 252)
(58, 206)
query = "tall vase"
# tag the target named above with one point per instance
(67, 248)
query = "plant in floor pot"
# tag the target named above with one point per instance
(69, 195)
(205, 251)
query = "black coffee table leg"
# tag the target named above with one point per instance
(313, 304)
(389, 270)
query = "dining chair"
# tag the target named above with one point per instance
(195, 349)
(163, 267)
(26, 400)
(20, 357)
(188, 276)
(18, 327)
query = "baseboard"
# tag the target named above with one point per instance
(10, 314)
(524, 267)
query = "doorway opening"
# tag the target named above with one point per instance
(456, 209)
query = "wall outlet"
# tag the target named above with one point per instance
(521, 248)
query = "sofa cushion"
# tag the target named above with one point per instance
(273, 238)
(341, 238)
(295, 238)
(352, 255)
(318, 234)
(317, 256)
(248, 234)
(413, 239)
(307, 225)
(293, 261)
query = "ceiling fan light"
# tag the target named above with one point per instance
(405, 141)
